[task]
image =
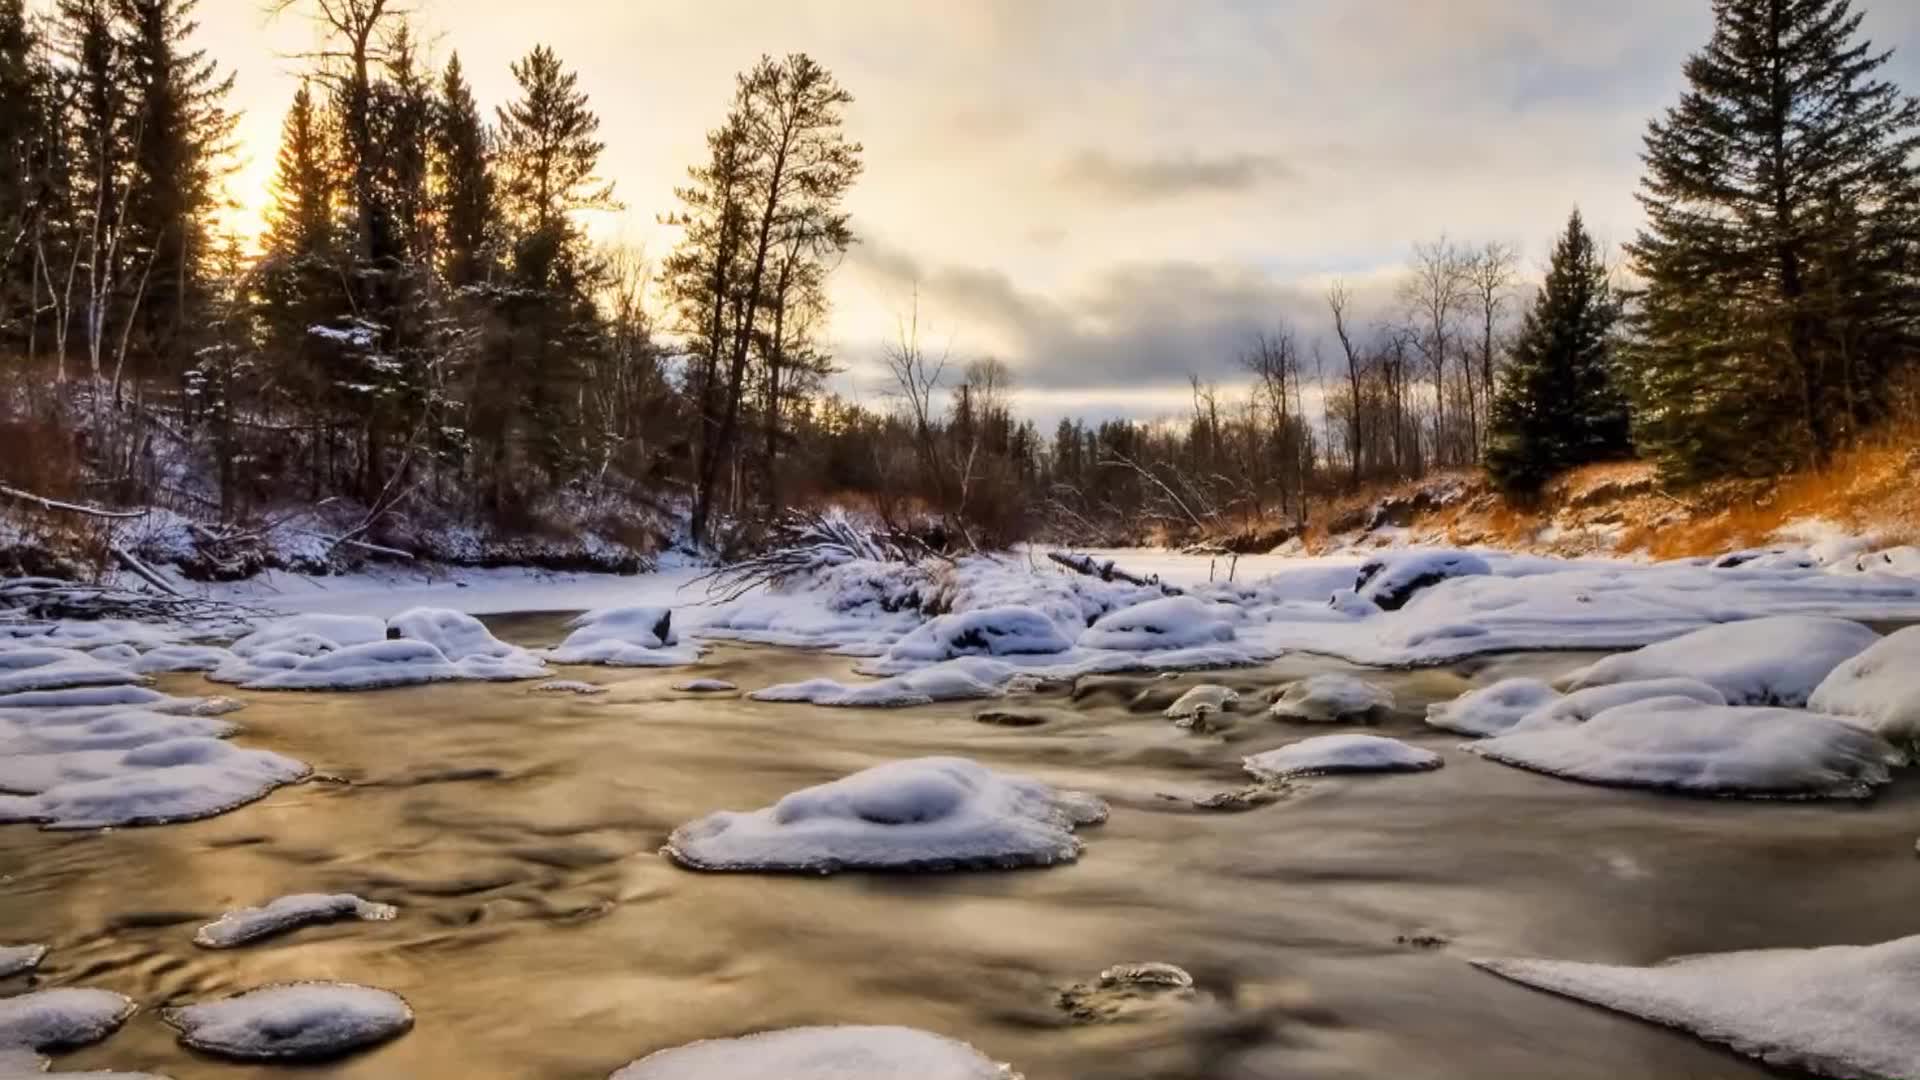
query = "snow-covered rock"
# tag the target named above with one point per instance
(821, 1053)
(1844, 1011)
(1390, 581)
(184, 658)
(42, 669)
(1010, 630)
(1126, 991)
(15, 959)
(65, 731)
(154, 784)
(1331, 754)
(1880, 688)
(1583, 705)
(373, 665)
(1332, 699)
(1770, 661)
(639, 636)
(937, 813)
(1679, 744)
(292, 1021)
(1492, 710)
(61, 1019)
(1175, 622)
(458, 636)
(288, 913)
(705, 686)
(104, 698)
(1203, 700)
(306, 635)
(966, 679)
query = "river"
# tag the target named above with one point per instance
(542, 935)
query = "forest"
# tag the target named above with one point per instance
(428, 340)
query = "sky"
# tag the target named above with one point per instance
(1108, 195)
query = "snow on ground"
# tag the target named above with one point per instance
(1329, 754)
(1492, 710)
(293, 1021)
(1770, 661)
(288, 913)
(15, 959)
(339, 652)
(1880, 688)
(821, 1053)
(1390, 581)
(1332, 699)
(1175, 622)
(1011, 630)
(1678, 744)
(938, 813)
(62, 1019)
(1840, 1011)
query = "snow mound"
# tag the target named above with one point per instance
(1679, 744)
(965, 679)
(1583, 705)
(114, 697)
(1492, 710)
(30, 669)
(118, 654)
(15, 959)
(641, 636)
(939, 813)
(1880, 688)
(1011, 630)
(377, 665)
(293, 1021)
(1329, 754)
(288, 913)
(302, 634)
(705, 686)
(1332, 699)
(467, 642)
(1839, 1011)
(154, 784)
(61, 1019)
(1175, 622)
(62, 731)
(1202, 701)
(821, 1053)
(1771, 661)
(1389, 582)
(184, 658)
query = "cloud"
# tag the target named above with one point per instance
(1170, 177)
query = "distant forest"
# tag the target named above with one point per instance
(426, 330)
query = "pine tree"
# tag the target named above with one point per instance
(403, 114)
(548, 154)
(463, 169)
(301, 221)
(1783, 237)
(1557, 406)
(21, 127)
(180, 134)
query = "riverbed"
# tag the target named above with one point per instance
(541, 934)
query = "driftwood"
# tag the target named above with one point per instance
(1107, 571)
(70, 508)
(51, 598)
(142, 570)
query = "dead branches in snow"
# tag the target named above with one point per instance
(1108, 571)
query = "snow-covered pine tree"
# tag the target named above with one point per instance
(1781, 247)
(1558, 406)
(464, 184)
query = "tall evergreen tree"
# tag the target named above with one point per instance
(464, 184)
(1558, 406)
(301, 220)
(97, 127)
(1782, 243)
(21, 126)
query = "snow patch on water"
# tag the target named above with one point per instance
(62, 1019)
(821, 1053)
(1331, 754)
(292, 1021)
(1879, 689)
(1770, 661)
(1332, 699)
(288, 913)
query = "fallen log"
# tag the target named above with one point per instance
(1108, 571)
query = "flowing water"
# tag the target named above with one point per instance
(542, 935)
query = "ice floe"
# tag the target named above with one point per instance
(61, 1019)
(966, 679)
(15, 959)
(1879, 688)
(1329, 754)
(570, 686)
(1678, 744)
(1492, 710)
(154, 784)
(43, 669)
(821, 1053)
(246, 925)
(1332, 699)
(1838, 1011)
(184, 658)
(63, 731)
(1770, 661)
(292, 1021)
(938, 813)
(640, 636)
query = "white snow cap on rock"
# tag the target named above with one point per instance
(31, 669)
(705, 686)
(1332, 699)
(1880, 689)
(821, 1053)
(1391, 581)
(969, 678)
(292, 1021)
(300, 633)
(184, 658)
(1009, 630)
(1175, 622)
(456, 634)
(153, 784)
(1679, 744)
(61, 1019)
(640, 636)
(1845, 1011)
(1491, 710)
(288, 913)
(378, 665)
(1772, 661)
(1583, 705)
(1330, 754)
(938, 813)
(65, 731)
(1206, 698)
(15, 959)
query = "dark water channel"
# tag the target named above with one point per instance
(541, 935)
